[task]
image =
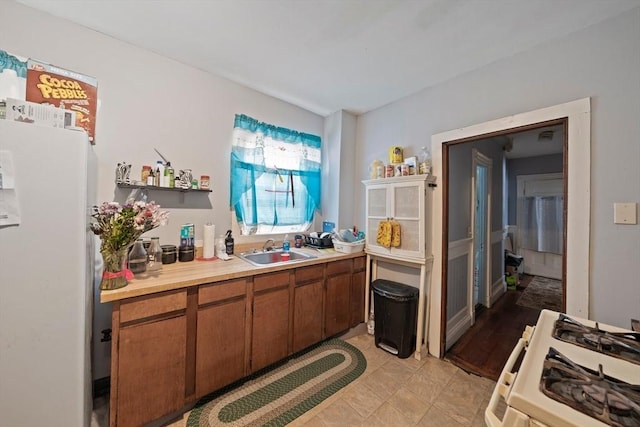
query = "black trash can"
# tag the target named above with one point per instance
(396, 314)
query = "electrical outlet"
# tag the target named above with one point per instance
(625, 213)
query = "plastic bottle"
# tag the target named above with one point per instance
(221, 246)
(371, 324)
(169, 175)
(154, 255)
(285, 244)
(424, 167)
(159, 178)
(151, 178)
(138, 258)
(228, 243)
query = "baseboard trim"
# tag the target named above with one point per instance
(456, 327)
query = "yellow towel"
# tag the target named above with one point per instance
(395, 234)
(383, 236)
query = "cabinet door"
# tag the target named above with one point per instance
(151, 370)
(220, 345)
(356, 299)
(307, 315)
(377, 210)
(269, 341)
(404, 200)
(407, 207)
(337, 309)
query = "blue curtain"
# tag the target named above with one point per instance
(275, 177)
(10, 62)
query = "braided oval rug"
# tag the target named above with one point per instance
(275, 396)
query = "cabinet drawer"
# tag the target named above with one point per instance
(270, 281)
(153, 305)
(337, 267)
(360, 263)
(305, 274)
(221, 291)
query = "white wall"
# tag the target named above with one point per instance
(147, 101)
(601, 62)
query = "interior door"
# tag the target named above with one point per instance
(480, 286)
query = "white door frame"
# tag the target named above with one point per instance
(480, 159)
(578, 244)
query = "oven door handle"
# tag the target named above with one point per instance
(504, 384)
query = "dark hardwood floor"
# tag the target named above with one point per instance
(484, 349)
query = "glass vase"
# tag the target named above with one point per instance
(114, 273)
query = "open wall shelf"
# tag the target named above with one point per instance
(154, 188)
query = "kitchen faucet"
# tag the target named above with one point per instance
(266, 246)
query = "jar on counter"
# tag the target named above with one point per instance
(138, 258)
(154, 254)
(186, 253)
(169, 254)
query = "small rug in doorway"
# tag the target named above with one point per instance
(275, 396)
(542, 293)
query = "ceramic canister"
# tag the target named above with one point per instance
(395, 154)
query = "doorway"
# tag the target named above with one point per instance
(576, 117)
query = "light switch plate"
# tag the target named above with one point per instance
(625, 213)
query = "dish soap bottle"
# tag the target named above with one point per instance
(228, 243)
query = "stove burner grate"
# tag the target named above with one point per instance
(600, 396)
(622, 345)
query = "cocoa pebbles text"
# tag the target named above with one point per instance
(51, 87)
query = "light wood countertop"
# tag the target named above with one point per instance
(184, 274)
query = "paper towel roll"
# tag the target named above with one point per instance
(209, 234)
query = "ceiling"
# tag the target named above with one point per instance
(534, 142)
(330, 55)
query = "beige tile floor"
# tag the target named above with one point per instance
(391, 392)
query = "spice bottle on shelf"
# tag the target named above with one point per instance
(154, 255)
(169, 175)
(151, 178)
(146, 169)
(138, 258)
(159, 175)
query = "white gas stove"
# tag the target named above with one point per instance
(574, 373)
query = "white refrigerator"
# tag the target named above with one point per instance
(46, 278)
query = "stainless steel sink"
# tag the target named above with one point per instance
(274, 257)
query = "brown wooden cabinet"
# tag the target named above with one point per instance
(173, 347)
(270, 325)
(307, 306)
(356, 298)
(220, 341)
(337, 293)
(150, 360)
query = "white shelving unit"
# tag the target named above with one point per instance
(407, 200)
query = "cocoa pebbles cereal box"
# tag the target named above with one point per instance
(48, 84)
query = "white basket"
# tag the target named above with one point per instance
(348, 248)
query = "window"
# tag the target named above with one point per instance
(275, 177)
